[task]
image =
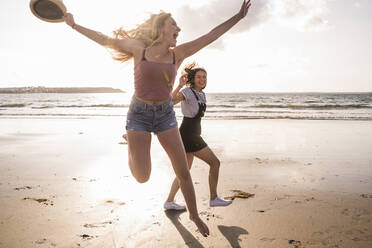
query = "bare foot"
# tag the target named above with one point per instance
(202, 227)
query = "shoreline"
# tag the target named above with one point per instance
(59, 90)
(206, 118)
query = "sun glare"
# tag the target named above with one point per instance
(111, 180)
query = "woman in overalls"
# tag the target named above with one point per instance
(193, 106)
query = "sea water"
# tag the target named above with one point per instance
(311, 106)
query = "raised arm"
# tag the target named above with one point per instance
(129, 46)
(187, 49)
(177, 96)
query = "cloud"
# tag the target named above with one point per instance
(257, 66)
(195, 22)
(304, 15)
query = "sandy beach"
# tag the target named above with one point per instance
(66, 183)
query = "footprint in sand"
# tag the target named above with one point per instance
(358, 235)
(209, 215)
(113, 202)
(87, 236)
(355, 213)
(264, 239)
(82, 179)
(260, 211)
(295, 243)
(24, 187)
(279, 198)
(366, 195)
(100, 224)
(260, 161)
(40, 200)
(45, 241)
(119, 204)
(306, 200)
(324, 238)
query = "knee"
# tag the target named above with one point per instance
(215, 164)
(142, 178)
(140, 173)
(183, 177)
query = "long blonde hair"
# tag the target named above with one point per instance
(150, 32)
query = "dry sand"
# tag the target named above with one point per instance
(66, 183)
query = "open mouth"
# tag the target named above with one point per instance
(175, 35)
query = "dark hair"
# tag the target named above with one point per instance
(190, 70)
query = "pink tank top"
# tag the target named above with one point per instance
(153, 81)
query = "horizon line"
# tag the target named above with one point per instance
(213, 92)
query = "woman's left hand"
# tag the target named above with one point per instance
(244, 9)
(182, 81)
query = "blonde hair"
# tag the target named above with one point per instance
(149, 32)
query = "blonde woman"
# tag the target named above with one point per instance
(152, 45)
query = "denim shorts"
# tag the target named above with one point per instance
(150, 118)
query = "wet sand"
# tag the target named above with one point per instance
(66, 183)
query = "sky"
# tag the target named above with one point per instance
(281, 45)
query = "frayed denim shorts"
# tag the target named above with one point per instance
(150, 118)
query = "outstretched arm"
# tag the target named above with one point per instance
(127, 45)
(187, 49)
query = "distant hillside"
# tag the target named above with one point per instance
(21, 90)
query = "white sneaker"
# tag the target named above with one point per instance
(173, 206)
(218, 202)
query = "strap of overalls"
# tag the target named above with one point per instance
(201, 105)
(196, 96)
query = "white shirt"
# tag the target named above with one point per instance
(190, 105)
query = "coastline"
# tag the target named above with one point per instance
(58, 90)
(178, 116)
(311, 181)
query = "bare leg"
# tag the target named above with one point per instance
(139, 143)
(175, 185)
(207, 155)
(172, 144)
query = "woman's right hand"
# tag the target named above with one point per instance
(69, 19)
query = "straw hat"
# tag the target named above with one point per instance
(48, 10)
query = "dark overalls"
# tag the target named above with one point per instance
(190, 128)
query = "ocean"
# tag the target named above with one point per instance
(308, 106)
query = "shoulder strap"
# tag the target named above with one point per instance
(143, 54)
(196, 96)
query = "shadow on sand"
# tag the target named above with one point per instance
(189, 239)
(232, 234)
